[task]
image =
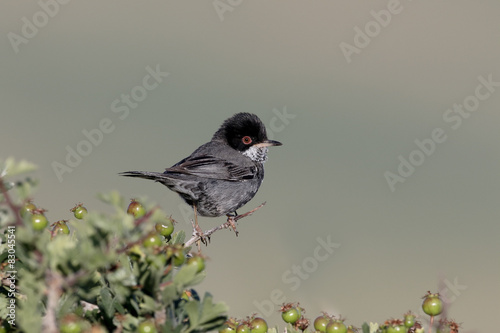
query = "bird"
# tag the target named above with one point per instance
(222, 175)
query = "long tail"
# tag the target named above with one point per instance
(158, 176)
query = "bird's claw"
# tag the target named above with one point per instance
(199, 233)
(231, 220)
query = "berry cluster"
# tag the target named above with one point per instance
(293, 315)
(251, 324)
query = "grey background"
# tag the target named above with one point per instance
(352, 120)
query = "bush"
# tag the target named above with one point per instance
(104, 274)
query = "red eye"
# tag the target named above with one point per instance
(246, 140)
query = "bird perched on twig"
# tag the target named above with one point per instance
(222, 175)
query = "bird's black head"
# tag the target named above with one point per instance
(243, 131)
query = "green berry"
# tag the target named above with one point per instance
(152, 241)
(60, 227)
(396, 329)
(176, 254)
(136, 209)
(336, 326)
(71, 323)
(79, 211)
(28, 208)
(165, 228)
(147, 327)
(229, 326)
(243, 328)
(432, 304)
(320, 323)
(178, 257)
(258, 325)
(291, 315)
(227, 329)
(39, 221)
(73, 327)
(197, 261)
(409, 319)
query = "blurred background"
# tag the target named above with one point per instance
(388, 111)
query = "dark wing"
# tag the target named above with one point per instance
(214, 168)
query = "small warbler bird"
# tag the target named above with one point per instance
(222, 175)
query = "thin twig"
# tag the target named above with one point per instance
(197, 236)
(54, 283)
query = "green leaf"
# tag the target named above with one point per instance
(191, 308)
(205, 316)
(119, 307)
(106, 302)
(170, 294)
(11, 168)
(148, 304)
(67, 304)
(186, 276)
(178, 237)
(3, 306)
(211, 311)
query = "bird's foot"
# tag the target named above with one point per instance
(200, 234)
(232, 219)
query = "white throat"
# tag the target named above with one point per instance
(256, 154)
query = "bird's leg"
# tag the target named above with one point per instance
(198, 230)
(232, 222)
